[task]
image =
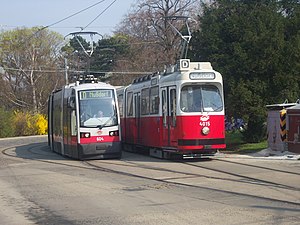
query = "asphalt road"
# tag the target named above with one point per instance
(38, 186)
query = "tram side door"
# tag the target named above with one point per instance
(168, 105)
(50, 121)
(71, 128)
(137, 113)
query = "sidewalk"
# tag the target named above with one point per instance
(263, 154)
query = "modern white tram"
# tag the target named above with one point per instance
(83, 121)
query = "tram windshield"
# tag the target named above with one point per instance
(200, 98)
(97, 108)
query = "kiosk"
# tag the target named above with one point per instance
(277, 126)
(293, 128)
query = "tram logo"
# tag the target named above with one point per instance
(204, 118)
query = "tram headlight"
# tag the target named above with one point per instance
(205, 130)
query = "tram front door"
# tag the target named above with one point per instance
(169, 137)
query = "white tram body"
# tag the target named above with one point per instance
(76, 130)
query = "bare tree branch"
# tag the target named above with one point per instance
(148, 22)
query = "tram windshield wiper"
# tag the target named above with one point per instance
(106, 122)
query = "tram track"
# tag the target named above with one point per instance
(255, 166)
(102, 165)
(167, 181)
(244, 179)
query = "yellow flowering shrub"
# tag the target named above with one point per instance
(41, 124)
(26, 123)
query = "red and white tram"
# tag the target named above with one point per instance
(84, 122)
(177, 112)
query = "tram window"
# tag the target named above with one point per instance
(200, 98)
(173, 106)
(91, 102)
(71, 102)
(57, 114)
(129, 104)
(164, 107)
(211, 98)
(145, 101)
(73, 123)
(120, 103)
(154, 100)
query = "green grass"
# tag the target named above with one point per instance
(235, 144)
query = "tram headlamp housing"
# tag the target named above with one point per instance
(205, 130)
(114, 133)
(85, 134)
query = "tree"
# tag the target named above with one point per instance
(30, 58)
(77, 53)
(105, 60)
(255, 45)
(108, 51)
(154, 42)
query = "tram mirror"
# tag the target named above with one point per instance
(71, 102)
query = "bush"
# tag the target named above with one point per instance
(255, 130)
(41, 124)
(6, 124)
(22, 124)
(26, 124)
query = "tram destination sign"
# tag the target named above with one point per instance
(202, 76)
(91, 94)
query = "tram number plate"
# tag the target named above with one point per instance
(207, 146)
(205, 124)
(100, 138)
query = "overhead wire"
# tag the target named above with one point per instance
(74, 14)
(99, 14)
(79, 71)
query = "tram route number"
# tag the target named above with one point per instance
(100, 138)
(95, 94)
(205, 124)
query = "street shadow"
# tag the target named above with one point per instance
(40, 150)
(37, 151)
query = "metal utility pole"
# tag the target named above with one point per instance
(66, 71)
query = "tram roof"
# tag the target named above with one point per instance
(183, 65)
(89, 85)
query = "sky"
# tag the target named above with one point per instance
(30, 13)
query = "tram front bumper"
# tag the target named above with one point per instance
(100, 150)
